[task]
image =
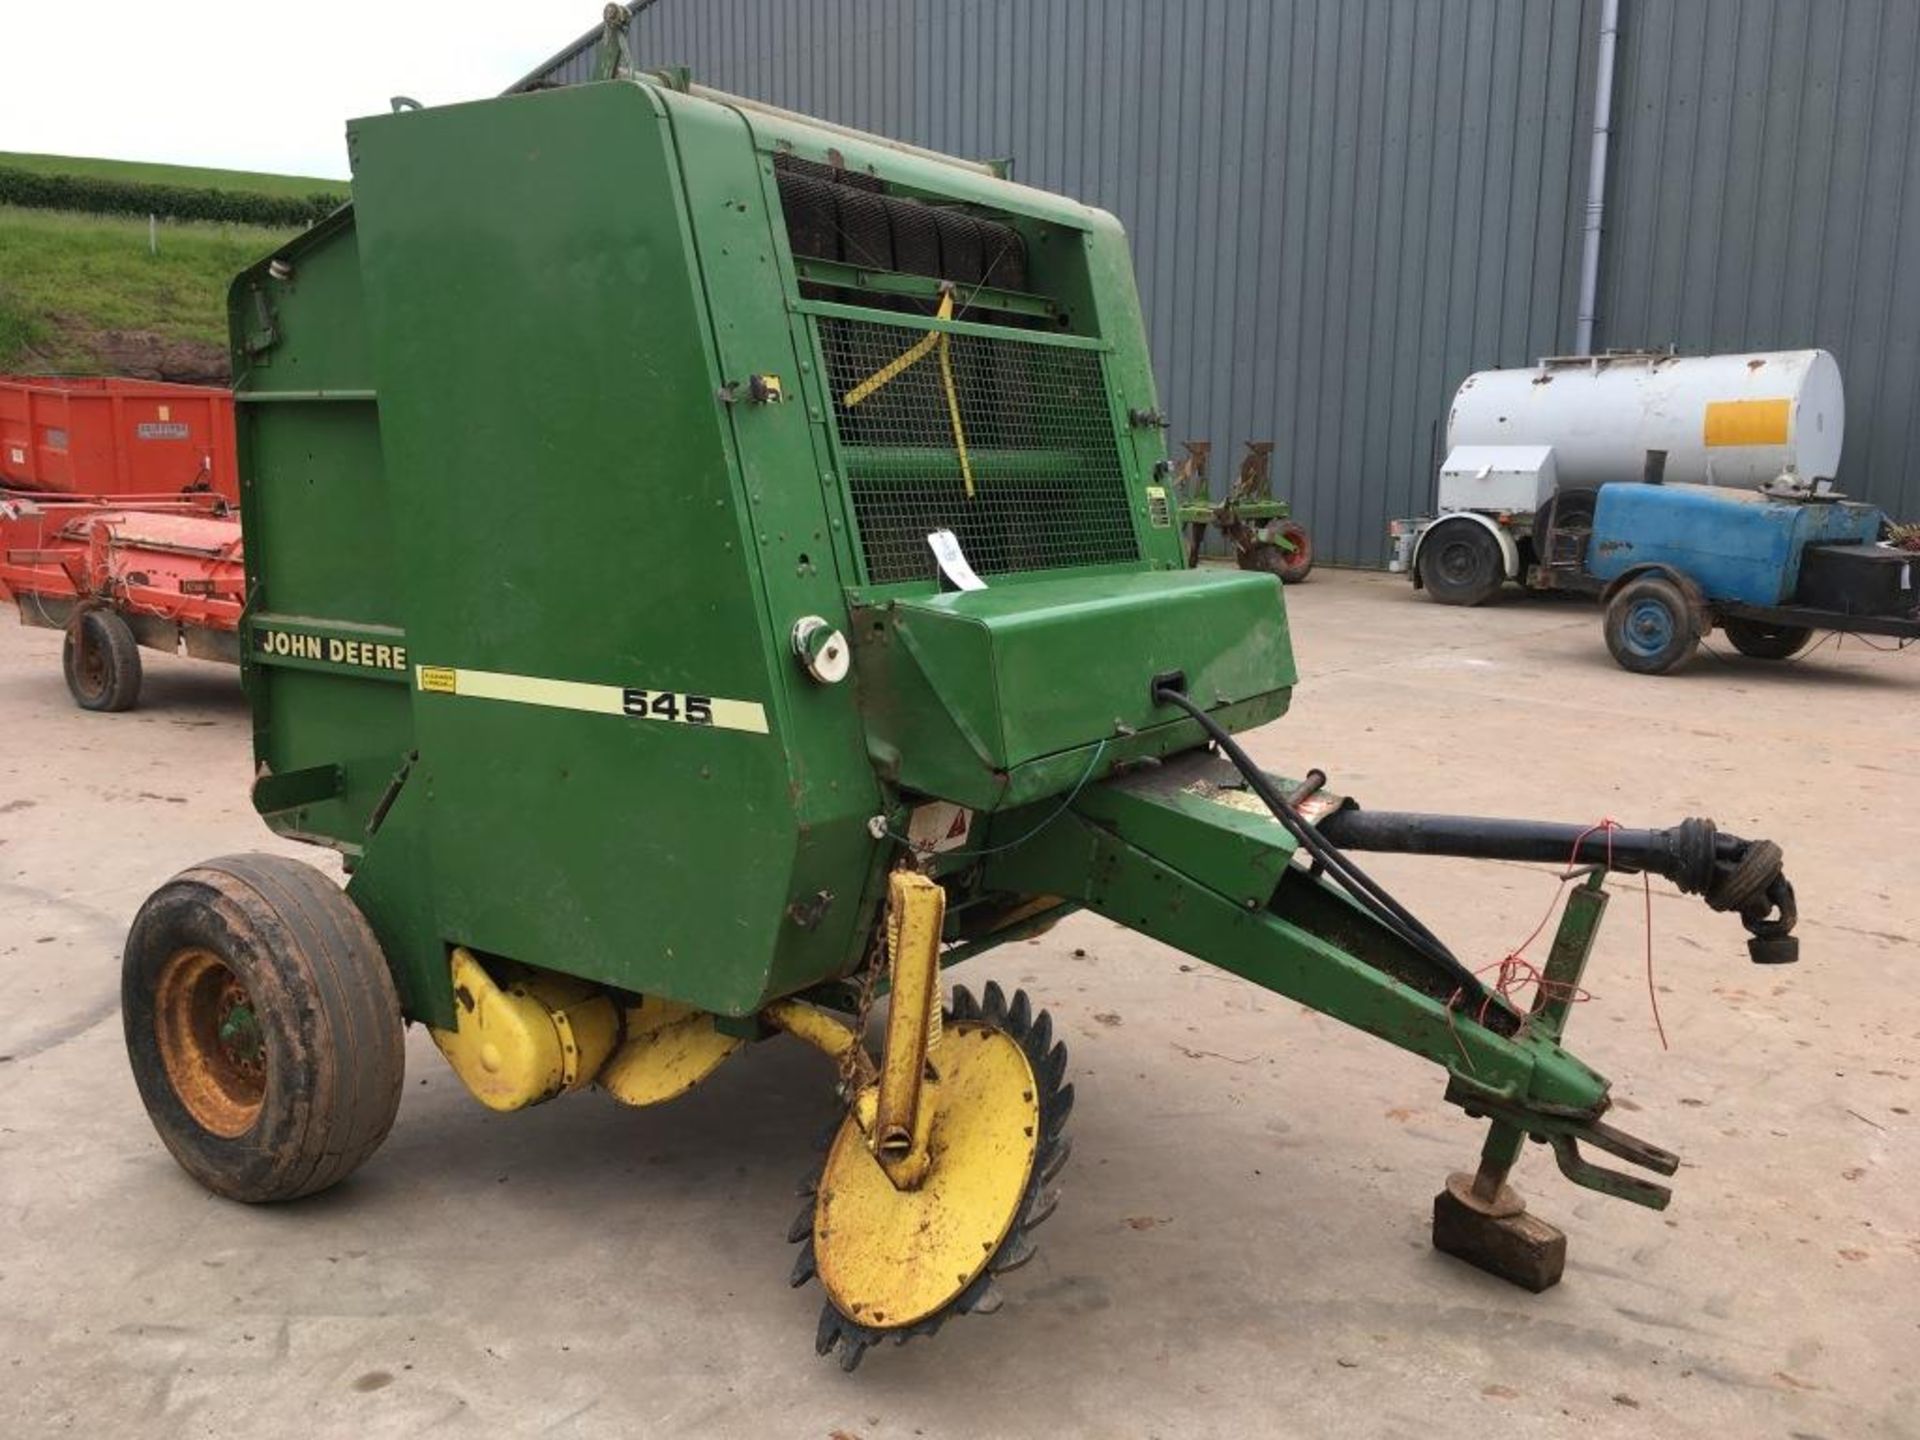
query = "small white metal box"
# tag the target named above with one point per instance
(1515, 478)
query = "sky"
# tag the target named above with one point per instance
(254, 84)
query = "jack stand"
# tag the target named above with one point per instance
(1480, 1218)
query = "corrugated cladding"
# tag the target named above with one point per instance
(1339, 208)
(1768, 197)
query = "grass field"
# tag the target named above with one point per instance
(84, 294)
(252, 182)
(76, 289)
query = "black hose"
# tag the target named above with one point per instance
(1335, 861)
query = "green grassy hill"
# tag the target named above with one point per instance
(246, 181)
(99, 294)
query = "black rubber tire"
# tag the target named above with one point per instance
(1650, 627)
(1295, 565)
(330, 1040)
(1570, 509)
(1461, 564)
(1292, 567)
(109, 677)
(1766, 642)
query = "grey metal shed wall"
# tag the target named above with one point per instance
(1768, 196)
(1339, 208)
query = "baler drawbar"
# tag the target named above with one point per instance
(708, 571)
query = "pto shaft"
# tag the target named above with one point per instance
(1670, 853)
(1732, 873)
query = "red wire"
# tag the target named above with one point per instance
(1515, 972)
(1653, 999)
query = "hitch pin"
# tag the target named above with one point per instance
(1308, 787)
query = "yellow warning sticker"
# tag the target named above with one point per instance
(1747, 422)
(439, 679)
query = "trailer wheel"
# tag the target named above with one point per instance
(1650, 627)
(1295, 564)
(1766, 642)
(1461, 564)
(263, 1027)
(1292, 566)
(103, 669)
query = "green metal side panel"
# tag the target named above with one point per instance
(567, 506)
(796, 526)
(329, 736)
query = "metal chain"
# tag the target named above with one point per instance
(850, 1062)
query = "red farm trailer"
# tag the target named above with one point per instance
(119, 524)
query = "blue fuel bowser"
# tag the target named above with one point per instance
(1672, 562)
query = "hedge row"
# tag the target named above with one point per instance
(176, 202)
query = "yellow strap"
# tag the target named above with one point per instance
(953, 414)
(912, 355)
(895, 367)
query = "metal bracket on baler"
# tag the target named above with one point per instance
(1565, 1134)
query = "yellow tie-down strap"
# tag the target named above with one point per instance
(933, 340)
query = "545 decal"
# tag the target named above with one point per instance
(673, 705)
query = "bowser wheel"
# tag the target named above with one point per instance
(103, 667)
(896, 1263)
(263, 1027)
(1650, 627)
(1766, 642)
(1461, 564)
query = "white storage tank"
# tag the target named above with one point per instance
(1736, 420)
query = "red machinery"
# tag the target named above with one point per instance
(118, 524)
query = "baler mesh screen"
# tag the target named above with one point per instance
(1049, 491)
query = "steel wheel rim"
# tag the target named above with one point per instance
(1649, 627)
(90, 666)
(210, 1042)
(1459, 561)
(1296, 536)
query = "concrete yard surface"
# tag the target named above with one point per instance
(1241, 1249)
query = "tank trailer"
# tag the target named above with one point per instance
(705, 573)
(1686, 492)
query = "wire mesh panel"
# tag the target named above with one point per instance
(1028, 423)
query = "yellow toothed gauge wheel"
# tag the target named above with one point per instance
(896, 1263)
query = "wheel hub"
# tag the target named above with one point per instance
(1458, 561)
(90, 666)
(210, 1042)
(1649, 627)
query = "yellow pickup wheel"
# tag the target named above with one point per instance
(896, 1262)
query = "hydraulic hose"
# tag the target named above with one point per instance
(1355, 881)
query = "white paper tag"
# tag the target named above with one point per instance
(953, 560)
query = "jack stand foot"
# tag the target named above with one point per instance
(1498, 1235)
